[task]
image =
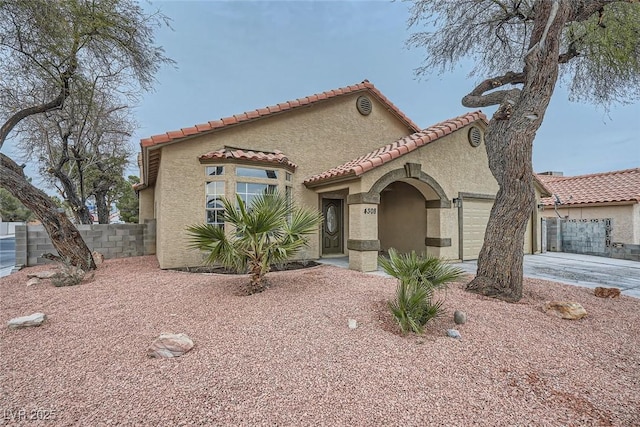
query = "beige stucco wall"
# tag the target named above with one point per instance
(316, 138)
(458, 168)
(145, 203)
(625, 219)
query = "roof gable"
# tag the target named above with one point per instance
(396, 149)
(608, 187)
(225, 122)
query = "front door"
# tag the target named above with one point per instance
(332, 226)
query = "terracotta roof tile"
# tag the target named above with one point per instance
(616, 186)
(275, 157)
(396, 149)
(172, 136)
(178, 135)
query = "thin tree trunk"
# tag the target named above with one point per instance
(509, 144)
(80, 210)
(103, 208)
(64, 236)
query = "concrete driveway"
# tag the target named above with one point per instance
(581, 270)
(572, 269)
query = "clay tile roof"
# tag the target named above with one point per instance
(274, 157)
(176, 135)
(608, 187)
(396, 149)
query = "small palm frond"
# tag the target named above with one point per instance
(212, 239)
(419, 277)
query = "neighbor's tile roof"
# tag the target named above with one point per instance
(279, 108)
(396, 149)
(276, 156)
(616, 186)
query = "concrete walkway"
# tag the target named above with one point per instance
(572, 269)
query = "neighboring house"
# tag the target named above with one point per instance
(378, 179)
(611, 195)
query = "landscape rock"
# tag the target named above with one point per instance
(460, 317)
(170, 345)
(35, 319)
(565, 310)
(98, 258)
(43, 274)
(353, 324)
(33, 281)
(453, 333)
(606, 292)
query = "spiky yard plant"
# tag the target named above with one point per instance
(419, 276)
(268, 231)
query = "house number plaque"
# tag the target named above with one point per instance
(370, 211)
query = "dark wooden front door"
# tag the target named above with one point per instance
(332, 227)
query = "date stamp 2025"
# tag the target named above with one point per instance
(24, 414)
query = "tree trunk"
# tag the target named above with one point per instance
(64, 236)
(102, 207)
(509, 144)
(79, 208)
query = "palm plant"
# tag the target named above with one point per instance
(420, 276)
(269, 231)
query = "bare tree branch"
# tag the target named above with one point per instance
(477, 98)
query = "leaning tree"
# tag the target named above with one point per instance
(46, 47)
(521, 48)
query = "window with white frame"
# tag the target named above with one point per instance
(247, 182)
(214, 192)
(249, 190)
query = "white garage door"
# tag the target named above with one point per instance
(475, 215)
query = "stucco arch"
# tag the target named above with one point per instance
(411, 171)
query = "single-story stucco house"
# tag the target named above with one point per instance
(378, 178)
(611, 195)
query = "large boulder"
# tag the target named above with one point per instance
(565, 310)
(43, 274)
(98, 258)
(170, 345)
(33, 281)
(35, 319)
(606, 292)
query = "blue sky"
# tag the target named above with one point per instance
(238, 56)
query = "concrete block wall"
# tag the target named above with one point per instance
(584, 236)
(554, 237)
(589, 237)
(112, 240)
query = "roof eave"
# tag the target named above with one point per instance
(332, 180)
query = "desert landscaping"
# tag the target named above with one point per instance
(291, 355)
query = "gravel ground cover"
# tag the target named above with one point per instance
(287, 356)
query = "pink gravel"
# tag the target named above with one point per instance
(287, 356)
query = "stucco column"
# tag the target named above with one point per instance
(436, 241)
(363, 243)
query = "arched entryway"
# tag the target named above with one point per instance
(403, 219)
(402, 209)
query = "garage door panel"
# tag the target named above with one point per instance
(475, 215)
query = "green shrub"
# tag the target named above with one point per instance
(420, 276)
(269, 231)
